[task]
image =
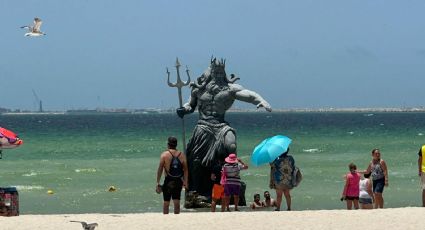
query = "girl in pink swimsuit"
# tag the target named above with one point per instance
(351, 189)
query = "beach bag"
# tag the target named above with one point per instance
(223, 177)
(297, 176)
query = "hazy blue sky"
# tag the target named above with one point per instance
(109, 53)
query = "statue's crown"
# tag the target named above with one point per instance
(218, 64)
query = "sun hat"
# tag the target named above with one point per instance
(231, 158)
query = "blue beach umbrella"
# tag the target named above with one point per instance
(269, 149)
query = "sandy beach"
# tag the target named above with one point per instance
(395, 218)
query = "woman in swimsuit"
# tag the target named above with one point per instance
(379, 172)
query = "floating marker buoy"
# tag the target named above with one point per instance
(112, 189)
(50, 192)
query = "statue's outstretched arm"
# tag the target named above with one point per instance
(250, 97)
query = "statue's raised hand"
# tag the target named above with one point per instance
(180, 112)
(265, 105)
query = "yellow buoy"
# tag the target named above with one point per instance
(50, 192)
(112, 189)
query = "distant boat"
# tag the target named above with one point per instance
(34, 31)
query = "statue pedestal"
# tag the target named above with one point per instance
(193, 200)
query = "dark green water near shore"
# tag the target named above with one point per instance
(80, 156)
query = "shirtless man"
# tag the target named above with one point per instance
(174, 164)
(212, 139)
(257, 203)
(268, 201)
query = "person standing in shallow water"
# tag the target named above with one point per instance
(174, 164)
(351, 190)
(281, 178)
(379, 172)
(218, 189)
(421, 172)
(366, 193)
(232, 183)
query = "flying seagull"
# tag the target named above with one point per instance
(34, 31)
(85, 225)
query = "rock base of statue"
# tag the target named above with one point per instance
(193, 200)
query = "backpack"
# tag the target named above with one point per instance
(176, 167)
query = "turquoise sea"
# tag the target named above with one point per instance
(79, 156)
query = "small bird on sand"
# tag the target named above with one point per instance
(85, 225)
(34, 31)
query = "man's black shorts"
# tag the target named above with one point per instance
(172, 188)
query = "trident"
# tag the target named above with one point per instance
(179, 84)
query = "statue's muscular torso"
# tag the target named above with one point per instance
(214, 101)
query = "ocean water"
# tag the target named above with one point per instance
(79, 156)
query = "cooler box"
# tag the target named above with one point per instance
(9, 202)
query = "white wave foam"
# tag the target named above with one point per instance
(311, 150)
(28, 187)
(90, 170)
(261, 175)
(30, 174)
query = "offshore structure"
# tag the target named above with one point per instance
(38, 101)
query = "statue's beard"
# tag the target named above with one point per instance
(219, 80)
(215, 86)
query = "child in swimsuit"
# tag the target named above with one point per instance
(351, 189)
(232, 184)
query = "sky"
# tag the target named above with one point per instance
(295, 54)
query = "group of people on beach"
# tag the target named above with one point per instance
(227, 182)
(226, 178)
(266, 203)
(363, 190)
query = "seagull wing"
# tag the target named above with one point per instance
(37, 24)
(29, 28)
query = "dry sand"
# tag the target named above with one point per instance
(394, 218)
